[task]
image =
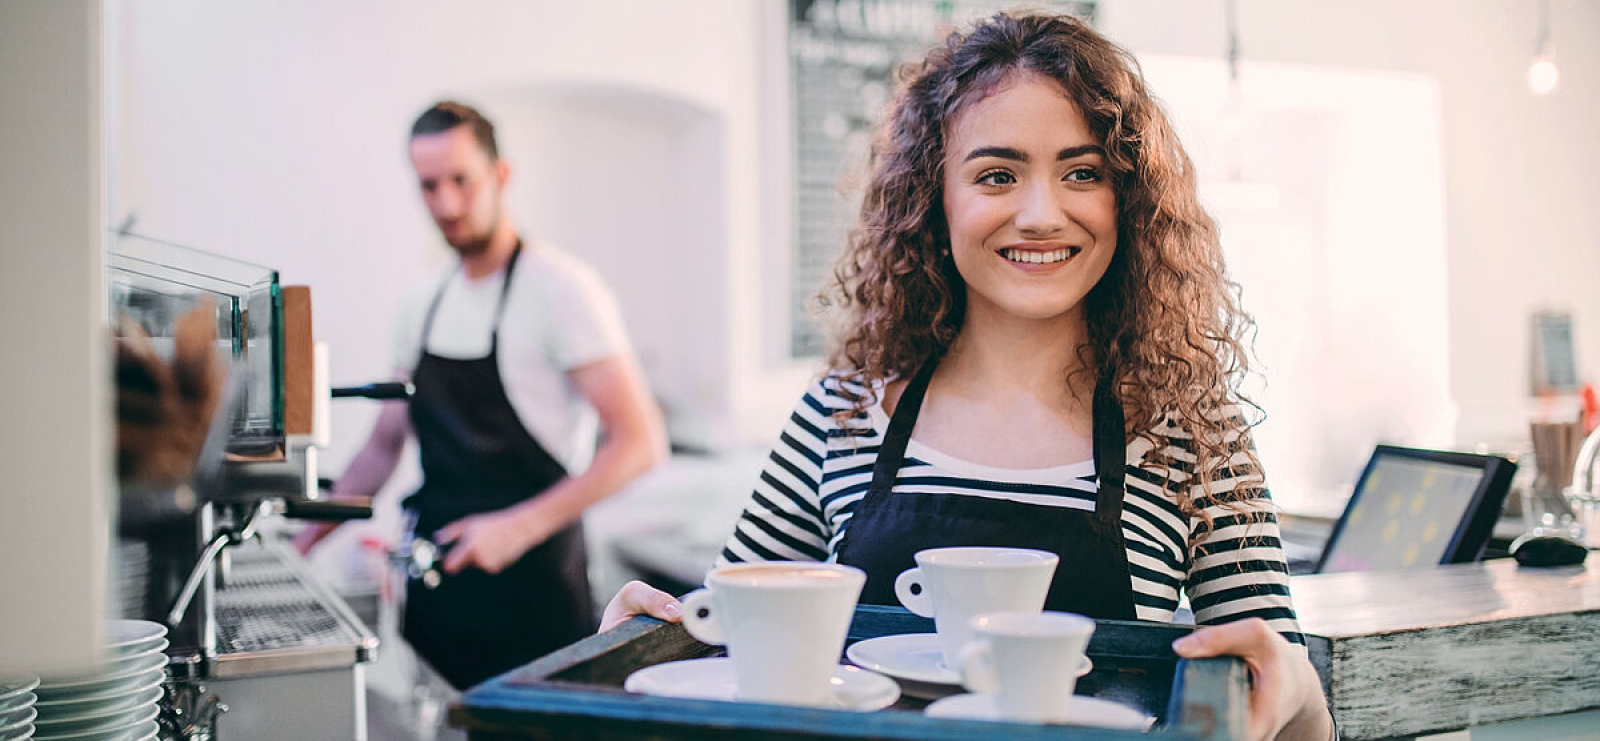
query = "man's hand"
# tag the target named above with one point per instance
(1286, 699)
(368, 471)
(490, 541)
(638, 598)
(311, 534)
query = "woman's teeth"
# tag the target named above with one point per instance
(1039, 258)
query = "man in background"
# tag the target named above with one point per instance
(513, 352)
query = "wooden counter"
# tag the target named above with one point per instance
(1409, 653)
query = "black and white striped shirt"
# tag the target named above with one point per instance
(817, 472)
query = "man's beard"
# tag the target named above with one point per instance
(472, 247)
(477, 244)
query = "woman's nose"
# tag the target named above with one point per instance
(1041, 213)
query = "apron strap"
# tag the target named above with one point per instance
(499, 309)
(505, 290)
(893, 451)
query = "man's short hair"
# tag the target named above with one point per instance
(448, 114)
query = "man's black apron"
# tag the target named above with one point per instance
(477, 457)
(887, 529)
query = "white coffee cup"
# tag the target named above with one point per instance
(784, 623)
(1028, 661)
(952, 585)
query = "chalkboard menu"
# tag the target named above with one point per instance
(842, 57)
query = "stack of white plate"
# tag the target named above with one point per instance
(120, 701)
(16, 708)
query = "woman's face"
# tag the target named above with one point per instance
(1029, 203)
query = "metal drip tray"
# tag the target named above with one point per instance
(273, 616)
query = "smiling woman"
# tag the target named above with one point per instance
(1041, 350)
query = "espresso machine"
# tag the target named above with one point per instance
(259, 647)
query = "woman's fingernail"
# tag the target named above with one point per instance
(1187, 641)
(671, 610)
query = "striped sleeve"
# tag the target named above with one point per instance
(783, 520)
(1238, 571)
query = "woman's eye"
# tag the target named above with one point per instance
(1084, 175)
(996, 177)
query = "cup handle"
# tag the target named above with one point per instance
(977, 667)
(699, 619)
(913, 592)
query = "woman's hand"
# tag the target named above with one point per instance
(638, 598)
(1286, 699)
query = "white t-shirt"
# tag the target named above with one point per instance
(558, 316)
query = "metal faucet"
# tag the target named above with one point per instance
(1581, 494)
(223, 538)
(1583, 468)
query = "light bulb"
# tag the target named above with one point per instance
(1543, 75)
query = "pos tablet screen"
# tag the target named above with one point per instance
(1415, 507)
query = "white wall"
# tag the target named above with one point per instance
(1348, 355)
(274, 131)
(1520, 171)
(55, 500)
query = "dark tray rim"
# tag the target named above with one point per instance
(1208, 699)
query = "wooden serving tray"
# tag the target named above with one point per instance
(576, 693)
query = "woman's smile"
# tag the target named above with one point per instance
(1042, 256)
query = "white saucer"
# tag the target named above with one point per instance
(120, 720)
(144, 731)
(12, 689)
(712, 679)
(1080, 711)
(135, 729)
(13, 722)
(10, 717)
(54, 718)
(134, 673)
(120, 696)
(914, 656)
(127, 637)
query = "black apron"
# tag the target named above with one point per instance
(887, 529)
(477, 457)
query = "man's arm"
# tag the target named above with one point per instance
(635, 440)
(368, 471)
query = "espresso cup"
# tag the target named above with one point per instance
(1029, 662)
(783, 622)
(953, 585)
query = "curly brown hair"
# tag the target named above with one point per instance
(1165, 325)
